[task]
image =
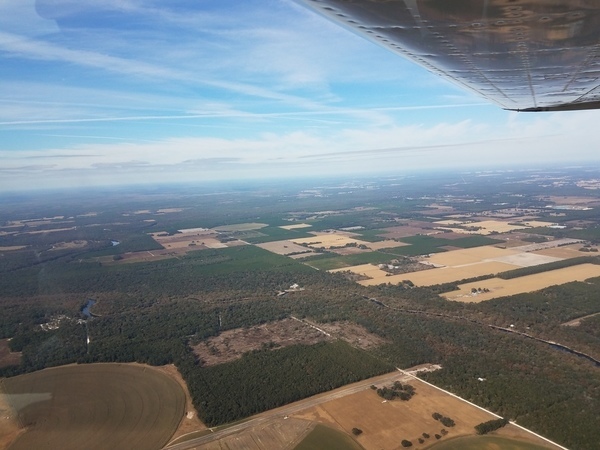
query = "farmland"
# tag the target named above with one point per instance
(211, 283)
(385, 424)
(497, 287)
(95, 406)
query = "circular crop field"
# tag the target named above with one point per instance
(96, 406)
(486, 443)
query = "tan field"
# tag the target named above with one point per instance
(443, 274)
(330, 240)
(490, 226)
(528, 283)
(385, 244)
(295, 226)
(12, 247)
(571, 251)
(188, 239)
(368, 270)
(469, 256)
(285, 248)
(386, 423)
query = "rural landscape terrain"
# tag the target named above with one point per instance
(433, 310)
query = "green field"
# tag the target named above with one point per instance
(325, 438)
(96, 406)
(486, 443)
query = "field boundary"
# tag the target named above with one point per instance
(483, 409)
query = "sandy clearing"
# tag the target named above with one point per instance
(190, 421)
(285, 248)
(527, 259)
(296, 226)
(443, 274)
(368, 270)
(54, 230)
(529, 283)
(12, 247)
(469, 256)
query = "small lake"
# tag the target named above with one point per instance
(86, 309)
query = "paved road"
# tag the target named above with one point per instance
(290, 409)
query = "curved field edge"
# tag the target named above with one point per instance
(485, 443)
(96, 406)
(322, 437)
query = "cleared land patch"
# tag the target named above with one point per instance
(295, 226)
(96, 406)
(286, 248)
(12, 247)
(368, 270)
(8, 358)
(233, 344)
(501, 288)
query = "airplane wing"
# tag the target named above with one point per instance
(524, 55)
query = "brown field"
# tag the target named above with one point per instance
(386, 424)
(285, 248)
(95, 406)
(296, 226)
(232, 344)
(572, 200)
(12, 247)
(8, 358)
(528, 283)
(328, 240)
(406, 231)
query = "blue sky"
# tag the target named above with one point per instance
(135, 91)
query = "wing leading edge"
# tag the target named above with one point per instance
(524, 55)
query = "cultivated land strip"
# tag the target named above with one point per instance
(288, 410)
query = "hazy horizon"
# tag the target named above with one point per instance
(132, 92)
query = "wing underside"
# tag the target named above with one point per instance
(526, 55)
